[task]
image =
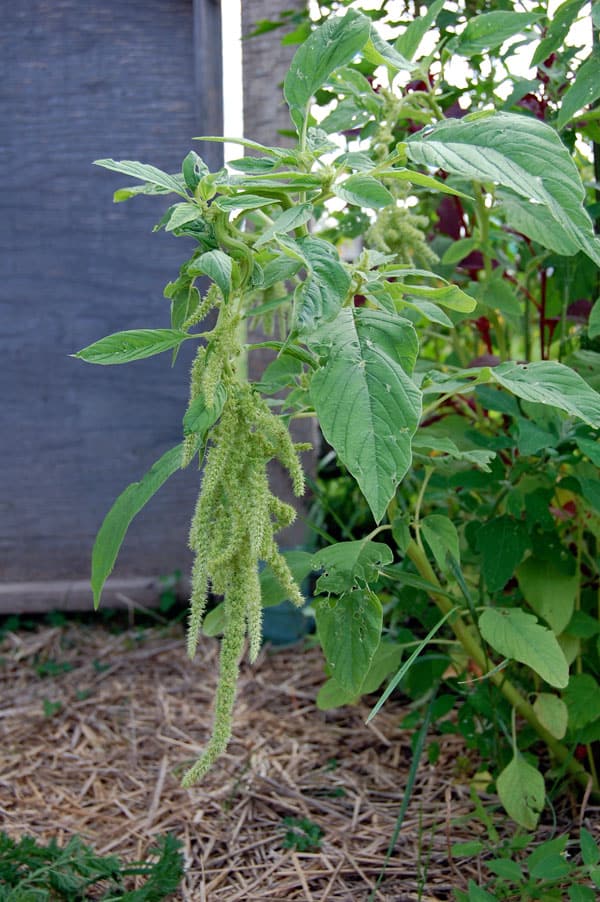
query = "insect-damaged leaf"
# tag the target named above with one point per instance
(348, 565)
(521, 790)
(357, 617)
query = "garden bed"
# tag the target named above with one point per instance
(96, 728)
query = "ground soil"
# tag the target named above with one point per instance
(134, 713)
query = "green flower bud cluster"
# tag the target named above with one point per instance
(211, 299)
(383, 139)
(398, 231)
(234, 524)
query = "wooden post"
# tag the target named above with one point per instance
(265, 63)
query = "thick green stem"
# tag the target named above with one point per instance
(483, 221)
(470, 644)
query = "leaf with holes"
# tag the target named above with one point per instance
(521, 790)
(347, 565)
(349, 629)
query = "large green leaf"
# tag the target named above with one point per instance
(533, 220)
(490, 30)
(548, 382)
(128, 504)
(408, 42)
(146, 173)
(134, 344)
(349, 629)
(584, 90)
(199, 418)
(521, 790)
(543, 382)
(516, 152)
(582, 698)
(549, 591)
(286, 222)
(363, 190)
(502, 542)
(333, 44)
(386, 659)
(557, 30)
(319, 298)
(513, 633)
(440, 534)
(552, 713)
(217, 266)
(380, 53)
(367, 404)
(347, 565)
(450, 296)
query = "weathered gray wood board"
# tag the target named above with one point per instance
(266, 62)
(82, 81)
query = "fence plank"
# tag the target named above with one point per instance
(83, 81)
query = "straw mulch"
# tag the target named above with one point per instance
(135, 712)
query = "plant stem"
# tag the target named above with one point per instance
(464, 634)
(483, 222)
(543, 286)
(416, 520)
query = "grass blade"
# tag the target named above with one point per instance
(407, 664)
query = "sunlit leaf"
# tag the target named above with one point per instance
(357, 617)
(514, 634)
(521, 790)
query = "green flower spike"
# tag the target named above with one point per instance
(234, 525)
